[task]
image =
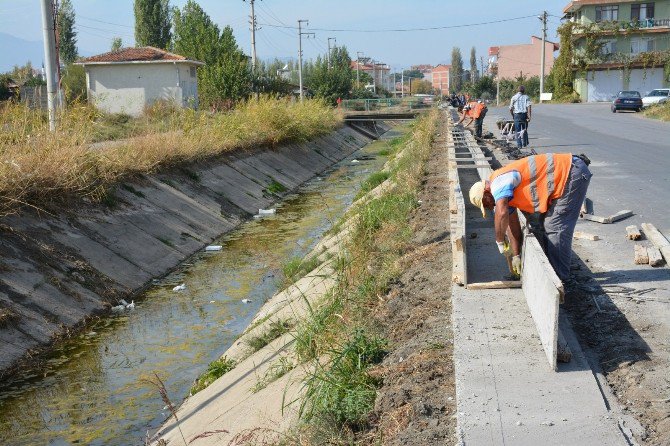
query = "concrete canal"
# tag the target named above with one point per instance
(96, 389)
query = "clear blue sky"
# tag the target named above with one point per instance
(21, 18)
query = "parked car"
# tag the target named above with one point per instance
(627, 100)
(658, 96)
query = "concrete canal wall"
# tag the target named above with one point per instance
(56, 271)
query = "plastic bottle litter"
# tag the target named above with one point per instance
(267, 211)
(181, 287)
(131, 305)
(246, 301)
(118, 308)
(212, 248)
(124, 303)
(354, 161)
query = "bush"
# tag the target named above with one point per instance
(74, 84)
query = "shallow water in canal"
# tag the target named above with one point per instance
(95, 388)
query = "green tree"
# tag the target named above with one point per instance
(74, 83)
(4, 87)
(456, 69)
(152, 23)
(226, 75)
(421, 86)
(67, 36)
(561, 74)
(335, 82)
(474, 73)
(117, 44)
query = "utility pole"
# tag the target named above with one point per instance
(252, 22)
(481, 62)
(300, 34)
(329, 50)
(543, 18)
(358, 69)
(374, 78)
(50, 59)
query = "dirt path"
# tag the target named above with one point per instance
(417, 403)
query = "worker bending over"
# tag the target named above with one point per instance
(549, 189)
(476, 111)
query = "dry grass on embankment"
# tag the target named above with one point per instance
(660, 112)
(37, 166)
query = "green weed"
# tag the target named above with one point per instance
(275, 187)
(372, 181)
(276, 371)
(297, 268)
(215, 370)
(277, 329)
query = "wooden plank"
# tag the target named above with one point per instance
(495, 285)
(655, 257)
(641, 255)
(619, 216)
(595, 218)
(585, 236)
(632, 233)
(658, 240)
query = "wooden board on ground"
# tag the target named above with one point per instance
(641, 255)
(632, 233)
(585, 236)
(595, 218)
(619, 216)
(655, 257)
(658, 239)
(495, 285)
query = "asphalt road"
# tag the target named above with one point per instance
(630, 154)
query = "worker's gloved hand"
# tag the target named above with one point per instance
(504, 248)
(516, 265)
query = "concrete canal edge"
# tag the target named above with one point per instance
(259, 399)
(57, 271)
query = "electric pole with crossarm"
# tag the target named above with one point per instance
(300, 34)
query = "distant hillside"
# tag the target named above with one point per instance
(17, 51)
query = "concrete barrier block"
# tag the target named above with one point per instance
(542, 289)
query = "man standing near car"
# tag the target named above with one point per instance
(520, 108)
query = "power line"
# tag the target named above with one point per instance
(432, 28)
(102, 21)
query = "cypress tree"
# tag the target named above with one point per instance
(474, 73)
(67, 36)
(152, 23)
(456, 70)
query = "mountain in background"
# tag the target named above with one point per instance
(17, 51)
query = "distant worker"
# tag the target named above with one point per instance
(476, 111)
(549, 189)
(520, 108)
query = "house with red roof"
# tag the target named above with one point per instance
(130, 79)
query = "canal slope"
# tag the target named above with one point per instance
(58, 270)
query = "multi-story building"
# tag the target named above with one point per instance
(379, 72)
(512, 61)
(619, 45)
(440, 79)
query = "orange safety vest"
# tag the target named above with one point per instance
(477, 110)
(543, 179)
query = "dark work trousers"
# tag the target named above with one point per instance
(479, 123)
(521, 123)
(554, 230)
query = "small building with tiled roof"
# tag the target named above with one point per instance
(131, 79)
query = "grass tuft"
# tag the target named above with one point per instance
(276, 371)
(275, 187)
(660, 112)
(277, 329)
(296, 268)
(215, 370)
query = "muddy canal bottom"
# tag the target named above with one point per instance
(95, 389)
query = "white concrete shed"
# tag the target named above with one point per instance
(130, 79)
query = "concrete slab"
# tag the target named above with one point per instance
(506, 394)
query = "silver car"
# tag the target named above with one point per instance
(658, 96)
